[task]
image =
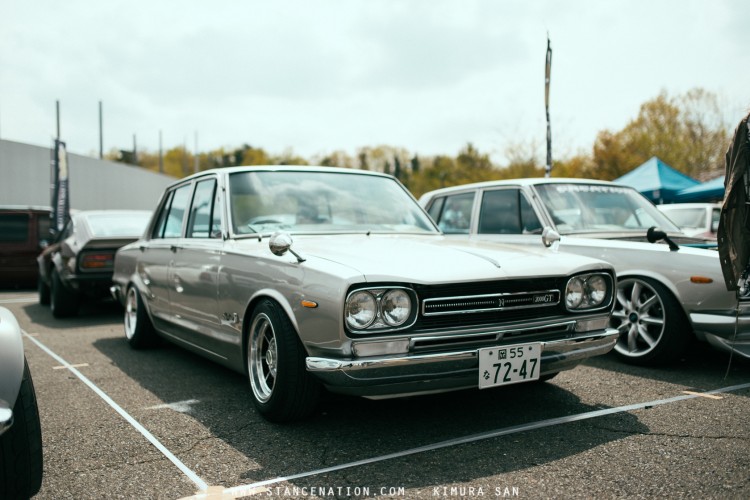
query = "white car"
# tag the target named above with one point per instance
(667, 293)
(695, 219)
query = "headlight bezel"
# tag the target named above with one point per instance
(590, 289)
(380, 323)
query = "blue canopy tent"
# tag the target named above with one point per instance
(657, 181)
(712, 190)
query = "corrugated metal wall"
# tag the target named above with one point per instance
(94, 183)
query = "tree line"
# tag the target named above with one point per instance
(688, 132)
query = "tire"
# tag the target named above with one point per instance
(21, 461)
(44, 292)
(652, 324)
(282, 389)
(63, 301)
(139, 331)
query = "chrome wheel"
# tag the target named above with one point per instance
(640, 317)
(262, 357)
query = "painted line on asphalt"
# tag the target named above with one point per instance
(20, 300)
(79, 365)
(254, 488)
(200, 483)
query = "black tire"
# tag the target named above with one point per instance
(44, 292)
(21, 461)
(64, 302)
(139, 331)
(653, 327)
(281, 387)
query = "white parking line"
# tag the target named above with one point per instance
(249, 489)
(204, 491)
(20, 300)
(200, 483)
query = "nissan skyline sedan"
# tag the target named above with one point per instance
(312, 278)
(667, 293)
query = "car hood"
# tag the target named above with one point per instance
(438, 259)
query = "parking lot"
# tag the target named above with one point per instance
(164, 423)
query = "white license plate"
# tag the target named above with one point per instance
(509, 364)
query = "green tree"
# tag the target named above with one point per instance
(686, 132)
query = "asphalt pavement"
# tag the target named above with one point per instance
(165, 423)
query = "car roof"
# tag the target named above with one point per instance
(527, 181)
(281, 168)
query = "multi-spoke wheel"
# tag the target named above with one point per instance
(653, 328)
(138, 328)
(282, 389)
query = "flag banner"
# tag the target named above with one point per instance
(60, 188)
(547, 73)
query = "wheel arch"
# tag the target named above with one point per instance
(657, 277)
(259, 296)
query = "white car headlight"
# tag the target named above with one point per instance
(395, 307)
(381, 309)
(574, 293)
(588, 291)
(361, 310)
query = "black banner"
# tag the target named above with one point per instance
(547, 74)
(60, 188)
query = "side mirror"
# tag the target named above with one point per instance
(281, 243)
(551, 238)
(655, 234)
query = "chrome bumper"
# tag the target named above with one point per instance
(406, 374)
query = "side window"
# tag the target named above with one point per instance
(455, 213)
(435, 208)
(507, 211)
(170, 219)
(201, 211)
(158, 231)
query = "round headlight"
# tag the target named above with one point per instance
(361, 310)
(574, 293)
(395, 307)
(597, 289)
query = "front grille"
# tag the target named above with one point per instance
(478, 303)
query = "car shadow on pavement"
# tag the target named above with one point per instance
(701, 367)
(92, 313)
(349, 429)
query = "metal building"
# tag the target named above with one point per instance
(25, 175)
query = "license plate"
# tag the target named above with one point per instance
(509, 364)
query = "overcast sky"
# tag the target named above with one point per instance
(323, 75)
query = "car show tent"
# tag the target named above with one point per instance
(657, 181)
(708, 191)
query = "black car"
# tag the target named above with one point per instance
(78, 264)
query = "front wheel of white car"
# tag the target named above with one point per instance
(282, 388)
(653, 327)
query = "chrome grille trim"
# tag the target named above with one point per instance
(491, 336)
(468, 304)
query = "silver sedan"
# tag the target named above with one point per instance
(311, 277)
(667, 293)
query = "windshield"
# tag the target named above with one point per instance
(117, 225)
(688, 218)
(590, 208)
(322, 202)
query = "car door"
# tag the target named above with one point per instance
(195, 267)
(158, 252)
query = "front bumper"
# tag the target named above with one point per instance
(728, 331)
(405, 374)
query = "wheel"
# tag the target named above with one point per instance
(138, 327)
(21, 462)
(63, 301)
(44, 292)
(653, 327)
(282, 388)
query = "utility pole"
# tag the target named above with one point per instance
(57, 114)
(101, 133)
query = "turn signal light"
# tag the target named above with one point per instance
(700, 279)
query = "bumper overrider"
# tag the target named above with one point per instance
(419, 373)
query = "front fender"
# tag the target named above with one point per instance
(11, 365)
